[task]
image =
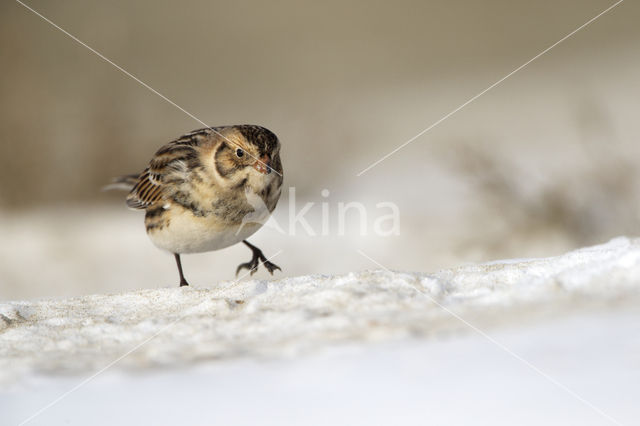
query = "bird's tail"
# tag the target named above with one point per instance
(123, 183)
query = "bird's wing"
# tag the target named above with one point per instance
(145, 192)
(169, 170)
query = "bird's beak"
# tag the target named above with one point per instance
(263, 165)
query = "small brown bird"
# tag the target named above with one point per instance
(208, 190)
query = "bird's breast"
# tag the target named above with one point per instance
(180, 231)
(206, 217)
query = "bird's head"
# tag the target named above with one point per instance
(246, 152)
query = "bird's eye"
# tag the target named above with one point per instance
(239, 152)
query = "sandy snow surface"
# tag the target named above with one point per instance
(365, 347)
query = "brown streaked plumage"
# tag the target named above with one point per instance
(200, 190)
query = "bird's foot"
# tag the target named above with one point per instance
(251, 265)
(258, 256)
(270, 266)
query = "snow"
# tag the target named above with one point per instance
(455, 381)
(366, 347)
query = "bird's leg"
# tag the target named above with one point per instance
(252, 265)
(183, 281)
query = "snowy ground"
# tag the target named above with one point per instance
(471, 344)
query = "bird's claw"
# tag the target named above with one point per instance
(258, 257)
(270, 266)
(252, 266)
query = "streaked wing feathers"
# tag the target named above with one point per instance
(145, 192)
(169, 169)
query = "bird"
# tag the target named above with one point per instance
(209, 189)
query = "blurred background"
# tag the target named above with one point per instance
(545, 162)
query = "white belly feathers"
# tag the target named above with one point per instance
(186, 233)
